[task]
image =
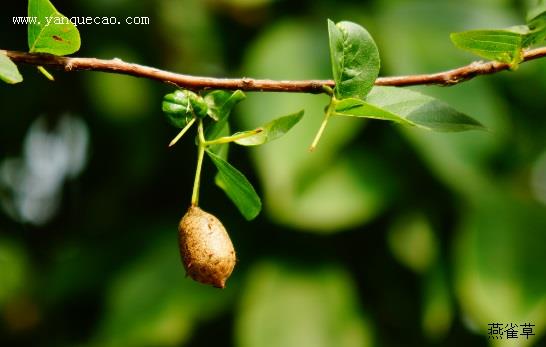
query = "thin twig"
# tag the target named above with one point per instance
(445, 78)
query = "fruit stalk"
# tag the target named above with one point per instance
(200, 155)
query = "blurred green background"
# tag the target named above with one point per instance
(386, 236)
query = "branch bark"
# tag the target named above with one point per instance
(444, 78)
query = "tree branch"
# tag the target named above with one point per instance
(445, 78)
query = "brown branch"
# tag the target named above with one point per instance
(445, 78)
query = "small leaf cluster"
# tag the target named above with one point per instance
(355, 67)
(212, 110)
(505, 45)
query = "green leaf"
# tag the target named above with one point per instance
(8, 70)
(355, 59)
(408, 107)
(272, 130)
(53, 33)
(504, 45)
(177, 108)
(537, 28)
(237, 187)
(359, 108)
(221, 102)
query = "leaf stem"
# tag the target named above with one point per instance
(200, 154)
(328, 90)
(234, 137)
(182, 132)
(329, 112)
(46, 73)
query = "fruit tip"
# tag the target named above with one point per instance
(220, 284)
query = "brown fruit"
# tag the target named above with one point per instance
(205, 247)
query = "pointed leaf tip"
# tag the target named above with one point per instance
(272, 130)
(409, 108)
